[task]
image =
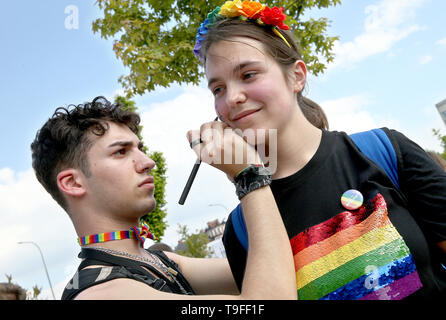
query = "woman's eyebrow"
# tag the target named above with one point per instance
(235, 70)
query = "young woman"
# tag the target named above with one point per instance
(355, 233)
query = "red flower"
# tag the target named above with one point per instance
(274, 16)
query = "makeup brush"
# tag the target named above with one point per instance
(189, 182)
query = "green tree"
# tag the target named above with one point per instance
(34, 294)
(442, 139)
(155, 219)
(155, 38)
(196, 243)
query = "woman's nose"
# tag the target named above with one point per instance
(235, 96)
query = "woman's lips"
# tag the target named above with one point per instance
(245, 115)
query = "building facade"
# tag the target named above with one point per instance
(215, 229)
(441, 107)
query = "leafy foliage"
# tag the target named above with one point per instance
(155, 38)
(442, 139)
(195, 243)
(34, 294)
(155, 219)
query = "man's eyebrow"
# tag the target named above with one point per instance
(122, 144)
(236, 69)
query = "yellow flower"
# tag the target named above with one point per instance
(231, 9)
(251, 9)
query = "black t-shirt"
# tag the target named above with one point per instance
(379, 251)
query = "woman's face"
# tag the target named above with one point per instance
(249, 87)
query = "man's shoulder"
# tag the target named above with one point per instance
(119, 289)
(100, 282)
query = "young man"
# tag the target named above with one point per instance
(90, 160)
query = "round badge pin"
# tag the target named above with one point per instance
(352, 199)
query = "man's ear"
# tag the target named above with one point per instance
(299, 76)
(71, 182)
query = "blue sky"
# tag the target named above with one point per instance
(389, 71)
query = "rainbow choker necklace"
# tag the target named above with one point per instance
(141, 234)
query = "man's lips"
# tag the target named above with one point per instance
(147, 181)
(243, 114)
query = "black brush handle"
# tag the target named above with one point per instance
(189, 182)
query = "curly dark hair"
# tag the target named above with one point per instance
(63, 141)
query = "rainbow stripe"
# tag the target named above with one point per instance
(106, 236)
(354, 255)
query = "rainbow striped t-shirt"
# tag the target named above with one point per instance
(354, 255)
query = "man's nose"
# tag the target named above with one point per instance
(144, 163)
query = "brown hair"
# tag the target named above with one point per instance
(64, 140)
(274, 46)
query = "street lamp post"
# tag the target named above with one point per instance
(44, 264)
(218, 205)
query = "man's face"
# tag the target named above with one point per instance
(120, 183)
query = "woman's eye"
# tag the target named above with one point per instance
(216, 91)
(248, 75)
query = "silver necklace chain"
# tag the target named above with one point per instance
(155, 261)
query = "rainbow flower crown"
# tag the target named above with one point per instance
(246, 10)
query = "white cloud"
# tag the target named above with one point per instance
(6, 175)
(349, 114)
(386, 23)
(421, 133)
(28, 213)
(425, 59)
(165, 124)
(441, 42)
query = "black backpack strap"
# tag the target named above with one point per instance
(114, 267)
(169, 263)
(101, 258)
(86, 278)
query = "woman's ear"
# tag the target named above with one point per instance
(71, 182)
(299, 76)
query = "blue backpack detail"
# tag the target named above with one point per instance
(375, 144)
(238, 222)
